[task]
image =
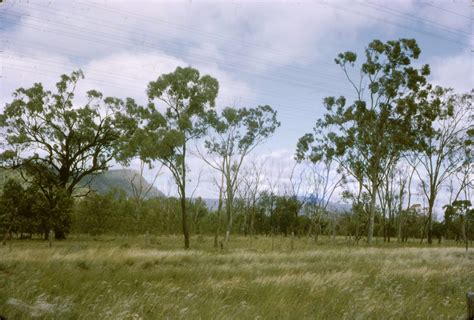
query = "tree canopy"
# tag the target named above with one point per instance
(235, 133)
(368, 135)
(185, 99)
(54, 142)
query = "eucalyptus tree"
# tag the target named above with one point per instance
(403, 180)
(369, 135)
(442, 147)
(464, 211)
(323, 179)
(249, 191)
(235, 133)
(185, 99)
(220, 186)
(391, 196)
(55, 143)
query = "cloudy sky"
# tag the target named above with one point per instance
(279, 53)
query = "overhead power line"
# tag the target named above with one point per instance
(111, 40)
(400, 25)
(412, 17)
(211, 36)
(449, 11)
(130, 82)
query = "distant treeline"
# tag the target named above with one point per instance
(115, 213)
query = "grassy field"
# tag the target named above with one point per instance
(122, 278)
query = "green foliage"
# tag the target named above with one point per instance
(187, 98)
(26, 211)
(235, 133)
(55, 143)
(115, 213)
(155, 136)
(238, 131)
(368, 135)
(456, 216)
(442, 145)
(69, 141)
(12, 207)
(285, 217)
(370, 132)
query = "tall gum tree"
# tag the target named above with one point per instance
(369, 135)
(186, 97)
(235, 133)
(442, 146)
(55, 143)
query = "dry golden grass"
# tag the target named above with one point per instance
(124, 279)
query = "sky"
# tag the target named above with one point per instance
(277, 53)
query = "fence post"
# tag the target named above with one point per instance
(470, 305)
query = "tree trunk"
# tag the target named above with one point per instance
(229, 204)
(384, 223)
(400, 221)
(218, 228)
(372, 214)
(423, 231)
(463, 231)
(185, 221)
(389, 225)
(182, 187)
(430, 220)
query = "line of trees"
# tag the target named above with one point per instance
(398, 118)
(270, 215)
(400, 133)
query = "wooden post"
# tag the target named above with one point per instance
(50, 238)
(470, 305)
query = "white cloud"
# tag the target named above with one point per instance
(121, 74)
(453, 71)
(20, 70)
(128, 74)
(121, 46)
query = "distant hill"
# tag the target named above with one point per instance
(120, 179)
(102, 182)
